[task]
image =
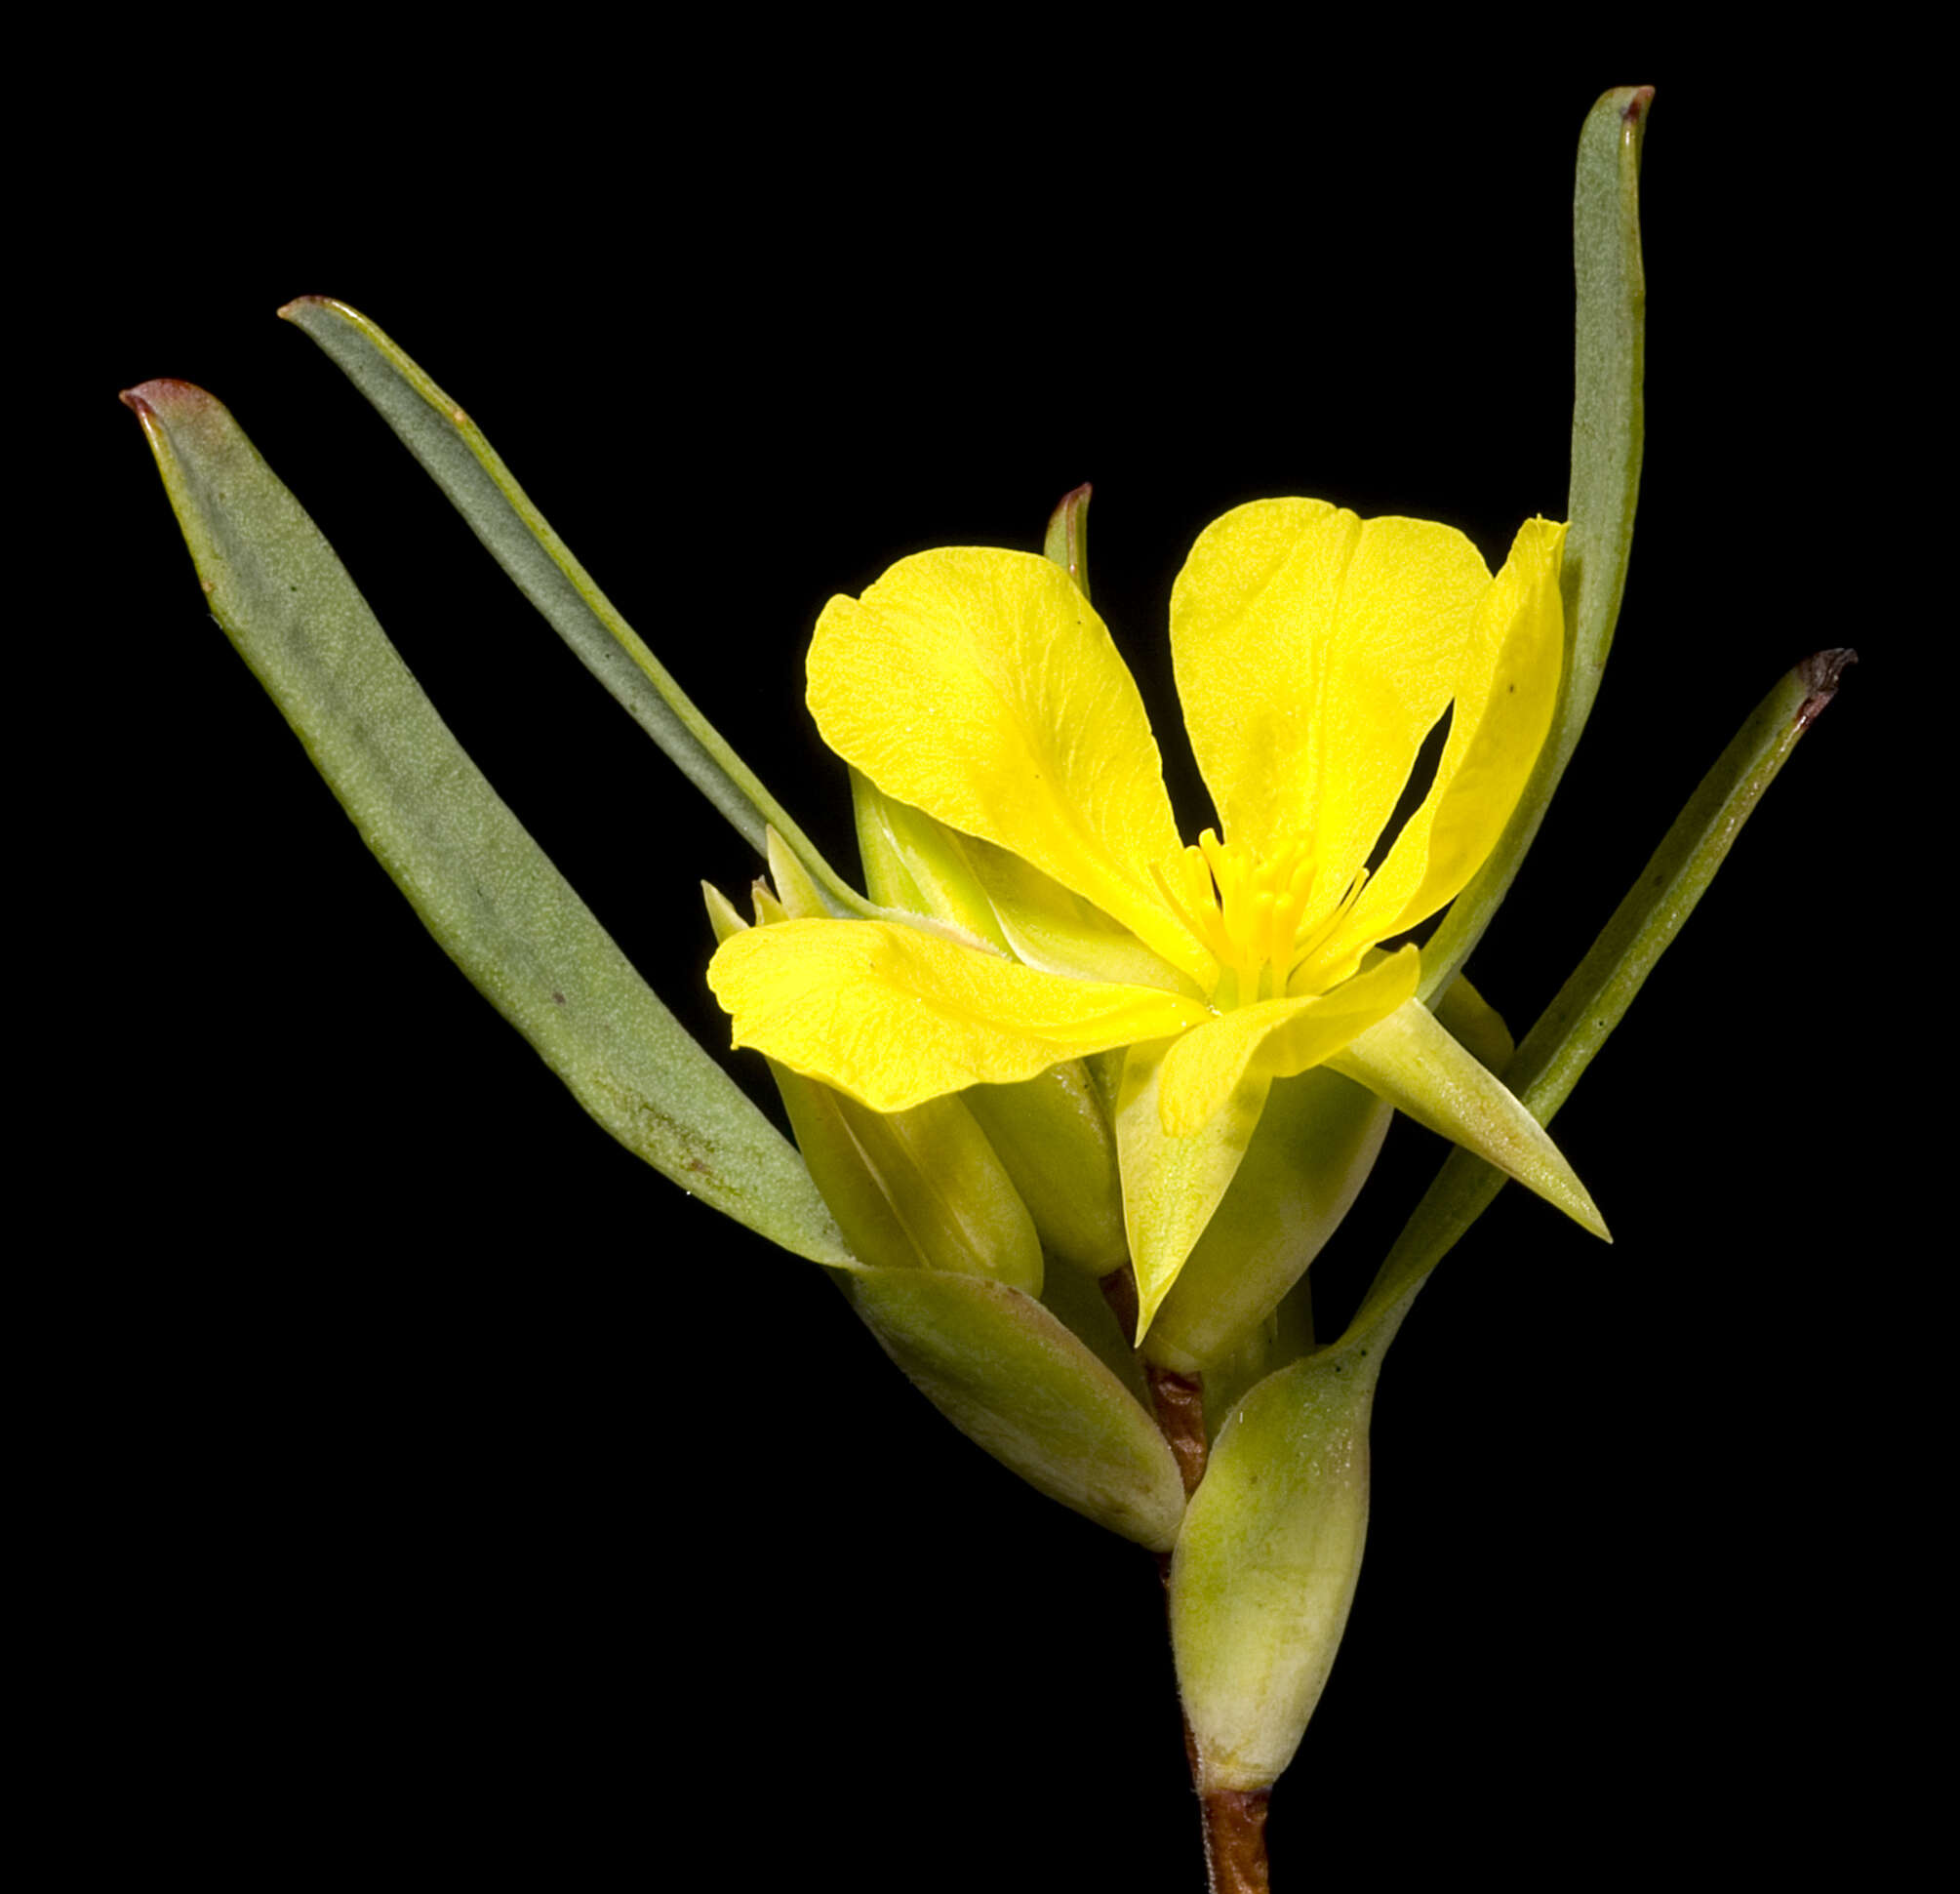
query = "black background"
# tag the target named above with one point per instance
(457, 1491)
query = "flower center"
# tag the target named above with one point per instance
(1250, 910)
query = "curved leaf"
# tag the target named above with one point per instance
(482, 886)
(1593, 1001)
(1607, 429)
(453, 450)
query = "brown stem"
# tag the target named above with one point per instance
(1235, 1840)
(1234, 1819)
(1179, 1401)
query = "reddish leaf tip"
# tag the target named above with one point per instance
(148, 397)
(1821, 673)
(1075, 496)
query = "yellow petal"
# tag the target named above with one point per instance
(980, 686)
(1171, 1185)
(894, 1016)
(1279, 1037)
(1504, 696)
(1314, 652)
(1243, 612)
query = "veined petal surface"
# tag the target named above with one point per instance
(1315, 651)
(1504, 696)
(980, 686)
(1052, 927)
(1171, 1185)
(1279, 1037)
(1241, 610)
(895, 1016)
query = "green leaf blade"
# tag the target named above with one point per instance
(1608, 426)
(1592, 1002)
(481, 885)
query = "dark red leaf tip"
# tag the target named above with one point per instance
(1820, 674)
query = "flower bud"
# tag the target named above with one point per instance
(909, 1189)
(1267, 1564)
(1316, 1142)
(1053, 1138)
(1052, 1132)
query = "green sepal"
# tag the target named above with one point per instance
(921, 1188)
(1266, 1563)
(1477, 1025)
(1408, 1060)
(1051, 1130)
(914, 864)
(1084, 1307)
(1052, 927)
(481, 885)
(1058, 1144)
(1284, 1337)
(794, 889)
(1013, 1377)
(1316, 1142)
(1066, 542)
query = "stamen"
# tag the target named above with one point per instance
(1195, 904)
(1244, 906)
(1323, 931)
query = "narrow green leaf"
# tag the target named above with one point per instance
(481, 885)
(1267, 1564)
(463, 465)
(1607, 425)
(1009, 1375)
(1594, 1000)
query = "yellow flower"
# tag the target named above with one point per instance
(1314, 652)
